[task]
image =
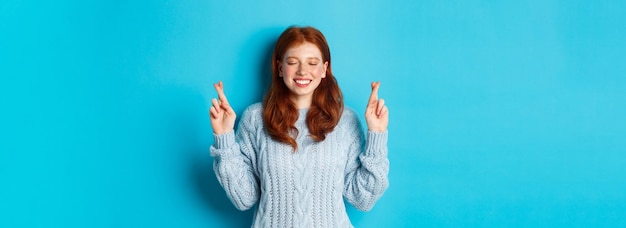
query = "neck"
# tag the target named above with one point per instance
(302, 102)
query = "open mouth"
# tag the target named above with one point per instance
(302, 81)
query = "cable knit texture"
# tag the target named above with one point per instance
(305, 188)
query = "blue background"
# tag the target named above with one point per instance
(503, 114)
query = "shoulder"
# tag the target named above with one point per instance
(349, 118)
(349, 113)
(349, 126)
(254, 109)
(253, 114)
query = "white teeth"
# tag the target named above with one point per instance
(303, 82)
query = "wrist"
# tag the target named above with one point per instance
(223, 140)
(221, 131)
(378, 130)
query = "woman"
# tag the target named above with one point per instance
(299, 151)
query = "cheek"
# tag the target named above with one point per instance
(318, 71)
(288, 70)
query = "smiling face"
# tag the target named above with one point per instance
(302, 69)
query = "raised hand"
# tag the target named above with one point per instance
(222, 115)
(376, 113)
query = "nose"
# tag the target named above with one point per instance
(301, 70)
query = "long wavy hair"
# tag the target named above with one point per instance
(280, 113)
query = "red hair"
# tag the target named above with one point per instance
(280, 113)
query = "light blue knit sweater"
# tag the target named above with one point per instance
(305, 188)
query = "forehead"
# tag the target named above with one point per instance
(303, 50)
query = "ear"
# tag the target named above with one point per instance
(325, 69)
(280, 69)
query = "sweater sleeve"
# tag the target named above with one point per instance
(367, 168)
(235, 163)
